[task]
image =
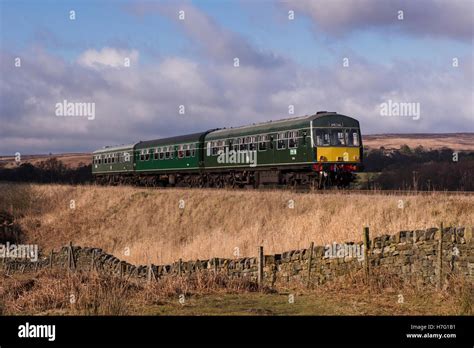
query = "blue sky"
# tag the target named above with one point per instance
(190, 63)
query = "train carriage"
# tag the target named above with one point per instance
(319, 150)
(113, 164)
(322, 149)
(170, 160)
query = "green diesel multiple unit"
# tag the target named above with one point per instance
(319, 150)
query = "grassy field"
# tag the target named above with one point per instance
(160, 226)
(60, 293)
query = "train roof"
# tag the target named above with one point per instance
(180, 139)
(114, 148)
(321, 119)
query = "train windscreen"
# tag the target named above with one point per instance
(337, 137)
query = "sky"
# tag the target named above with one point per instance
(151, 69)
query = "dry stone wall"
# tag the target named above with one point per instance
(421, 256)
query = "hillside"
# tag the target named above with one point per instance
(150, 224)
(455, 141)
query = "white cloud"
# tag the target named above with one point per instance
(108, 57)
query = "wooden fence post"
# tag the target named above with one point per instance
(71, 261)
(93, 260)
(150, 273)
(260, 261)
(215, 265)
(439, 280)
(310, 259)
(366, 236)
(51, 258)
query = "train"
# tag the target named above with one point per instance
(319, 151)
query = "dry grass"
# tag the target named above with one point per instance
(61, 293)
(215, 223)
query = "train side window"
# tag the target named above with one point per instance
(293, 139)
(187, 150)
(253, 143)
(242, 144)
(193, 150)
(302, 135)
(281, 143)
(172, 151)
(213, 148)
(142, 155)
(221, 146)
(155, 154)
(167, 152)
(147, 155)
(180, 151)
(262, 142)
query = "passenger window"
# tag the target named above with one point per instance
(293, 140)
(253, 143)
(187, 150)
(180, 151)
(262, 142)
(243, 144)
(281, 143)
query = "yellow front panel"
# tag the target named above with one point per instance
(338, 154)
